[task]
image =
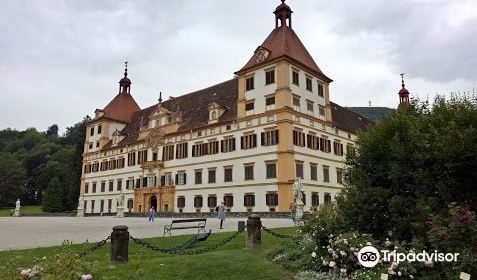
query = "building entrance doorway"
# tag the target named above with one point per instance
(154, 202)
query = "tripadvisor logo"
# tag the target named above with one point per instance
(369, 256)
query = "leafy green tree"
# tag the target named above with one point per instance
(12, 180)
(412, 163)
(52, 131)
(53, 199)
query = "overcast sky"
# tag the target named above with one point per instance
(60, 60)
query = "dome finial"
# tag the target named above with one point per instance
(402, 79)
(125, 69)
(160, 97)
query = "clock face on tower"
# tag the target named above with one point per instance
(261, 54)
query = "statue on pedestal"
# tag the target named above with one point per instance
(80, 210)
(120, 208)
(298, 197)
(17, 209)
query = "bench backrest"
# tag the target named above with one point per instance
(188, 220)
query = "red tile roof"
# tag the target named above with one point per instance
(283, 42)
(121, 108)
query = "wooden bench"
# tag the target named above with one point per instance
(198, 223)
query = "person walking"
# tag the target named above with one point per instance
(221, 213)
(101, 211)
(293, 212)
(152, 213)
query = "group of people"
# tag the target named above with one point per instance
(220, 209)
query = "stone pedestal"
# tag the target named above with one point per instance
(120, 212)
(119, 244)
(16, 213)
(299, 211)
(254, 232)
(80, 211)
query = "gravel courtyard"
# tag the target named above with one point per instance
(33, 232)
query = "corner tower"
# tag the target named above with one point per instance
(282, 80)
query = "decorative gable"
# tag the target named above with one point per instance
(215, 111)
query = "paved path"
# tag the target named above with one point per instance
(32, 232)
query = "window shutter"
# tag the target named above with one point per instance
(254, 140)
(138, 183)
(144, 181)
(241, 143)
(276, 136)
(233, 144)
(163, 180)
(221, 146)
(155, 180)
(262, 138)
(267, 199)
(177, 178)
(185, 178)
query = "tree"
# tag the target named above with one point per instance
(413, 163)
(52, 131)
(12, 180)
(53, 198)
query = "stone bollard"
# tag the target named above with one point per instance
(119, 244)
(254, 231)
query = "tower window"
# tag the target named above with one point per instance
(269, 77)
(309, 86)
(99, 129)
(320, 90)
(270, 103)
(249, 83)
(295, 78)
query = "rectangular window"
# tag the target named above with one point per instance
(270, 103)
(296, 103)
(168, 179)
(325, 145)
(212, 176)
(151, 181)
(326, 174)
(228, 174)
(181, 178)
(101, 205)
(313, 172)
(315, 199)
(309, 85)
(321, 110)
(91, 145)
(248, 141)
(99, 129)
(121, 162)
(228, 200)
(111, 186)
(327, 198)
(249, 200)
(92, 206)
(130, 184)
(198, 177)
(271, 199)
(295, 78)
(168, 153)
(320, 90)
(180, 202)
(269, 137)
(119, 185)
(338, 148)
(303, 196)
(309, 106)
(271, 170)
(198, 201)
(213, 147)
(94, 188)
(248, 172)
(249, 83)
(312, 141)
(339, 176)
(141, 156)
(97, 144)
(110, 205)
(298, 138)
(130, 204)
(212, 201)
(132, 159)
(249, 107)
(181, 150)
(103, 186)
(199, 150)
(227, 145)
(269, 77)
(91, 131)
(299, 170)
(86, 187)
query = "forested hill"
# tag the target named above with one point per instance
(41, 167)
(373, 113)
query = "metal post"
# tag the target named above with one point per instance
(254, 231)
(119, 244)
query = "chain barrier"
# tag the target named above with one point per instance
(96, 246)
(177, 251)
(276, 234)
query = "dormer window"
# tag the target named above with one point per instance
(215, 111)
(213, 115)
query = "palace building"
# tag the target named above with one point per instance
(243, 141)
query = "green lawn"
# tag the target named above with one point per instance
(231, 261)
(24, 210)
